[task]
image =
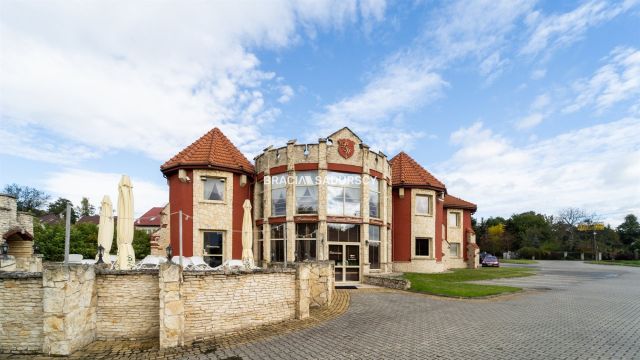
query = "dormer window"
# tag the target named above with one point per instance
(213, 188)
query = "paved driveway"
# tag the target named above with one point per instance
(590, 312)
(573, 311)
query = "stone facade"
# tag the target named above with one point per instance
(21, 257)
(69, 305)
(21, 317)
(160, 238)
(128, 303)
(321, 283)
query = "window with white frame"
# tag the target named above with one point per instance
(278, 234)
(213, 188)
(454, 219)
(343, 194)
(374, 247)
(454, 249)
(422, 246)
(306, 192)
(306, 245)
(279, 195)
(259, 204)
(213, 246)
(424, 204)
(374, 197)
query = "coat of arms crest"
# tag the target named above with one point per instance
(345, 148)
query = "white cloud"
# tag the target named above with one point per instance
(614, 82)
(553, 31)
(529, 121)
(73, 184)
(129, 76)
(286, 94)
(538, 74)
(596, 168)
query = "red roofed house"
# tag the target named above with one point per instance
(149, 221)
(331, 200)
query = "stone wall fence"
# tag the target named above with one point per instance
(64, 308)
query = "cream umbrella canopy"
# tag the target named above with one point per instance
(247, 236)
(105, 229)
(126, 255)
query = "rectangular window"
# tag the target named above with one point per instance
(213, 241)
(278, 234)
(374, 246)
(343, 194)
(279, 195)
(374, 197)
(343, 232)
(259, 204)
(213, 189)
(454, 250)
(306, 235)
(424, 204)
(260, 235)
(454, 219)
(422, 246)
(306, 192)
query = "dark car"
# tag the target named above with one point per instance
(490, 260)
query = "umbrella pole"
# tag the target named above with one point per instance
(180, 237)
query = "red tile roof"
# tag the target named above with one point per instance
(212, 149)
(457, 203)
(150, 218)
(89, 219)
(407, 172)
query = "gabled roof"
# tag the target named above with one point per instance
(213, 149)
(49, 219)
(407, 172)
(457, 203)
(89, 219)
(347, 129)
(150, 218)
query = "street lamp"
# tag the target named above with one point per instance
(169, 250)
(100, 254)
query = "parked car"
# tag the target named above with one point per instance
(490, 260)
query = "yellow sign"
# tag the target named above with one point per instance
(591, 227)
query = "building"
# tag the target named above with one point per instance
(332, 200)
(16, 229)
(150, 221)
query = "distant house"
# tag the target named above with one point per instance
(51, 219)
(89, 219)
(149, 221)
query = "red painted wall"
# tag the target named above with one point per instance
(439, 236)
(181, 198)
(240, 194)
(401, 225)
(467, 229)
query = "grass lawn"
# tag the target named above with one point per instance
(454, 284)
(518, 261)
(616, 262)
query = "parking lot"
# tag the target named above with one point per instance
(570, 310)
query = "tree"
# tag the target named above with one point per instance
(629, 230)
(60, 207)
(571, 217)
(529, 229)
(85, 208)
(28, 199)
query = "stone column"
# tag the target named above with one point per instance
(302, 290)
(171, 306)
(69, 308)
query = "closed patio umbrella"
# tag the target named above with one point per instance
(105, 229)
(126, 255)
(247, 236)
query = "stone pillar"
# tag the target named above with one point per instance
(69, 308)
(7, 263)
(171, 306)
(302, 290)
(321, 283)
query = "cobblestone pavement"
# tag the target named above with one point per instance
(588, 312)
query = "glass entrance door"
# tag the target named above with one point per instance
(347, 261)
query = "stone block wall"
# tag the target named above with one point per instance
(69, 306)
(21, 312)
(321, 283)
(216, 304)
(387, 281)
(171, 306)
(128, 304)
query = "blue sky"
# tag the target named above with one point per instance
(515, 105)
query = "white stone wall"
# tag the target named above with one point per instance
(8, 213)
(128, 305)
(211, 215)
(216, 304)
(21, 313)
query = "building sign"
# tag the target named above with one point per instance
(591, 227)
(346, 148)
